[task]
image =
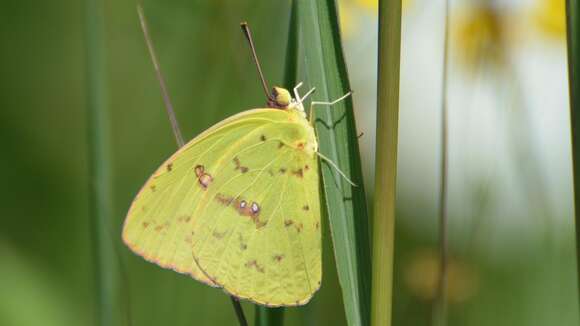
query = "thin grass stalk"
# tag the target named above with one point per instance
(573, 34)
(239, 311)
(389, 52)
(105, 271)
(439, 314)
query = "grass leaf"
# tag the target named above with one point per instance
(321, 64)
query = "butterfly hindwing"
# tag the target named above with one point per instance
(258, 235)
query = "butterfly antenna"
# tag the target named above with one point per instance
(329, 161)
(164, 92)
(248, 34)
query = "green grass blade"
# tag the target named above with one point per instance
(573, 30)
(292, 49)
(269, 316)
(108, 307)
(386, 159)
(321, 65)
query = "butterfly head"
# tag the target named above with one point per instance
(280, 98)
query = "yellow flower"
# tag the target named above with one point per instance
(352, 11)
(421, 275)
(346, 18)
(550, 17)
(374, 4)
(368, 4)
(479, 36)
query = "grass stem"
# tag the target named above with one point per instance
(106, 274)
(573, 34)
(439, 314)
(386, 160)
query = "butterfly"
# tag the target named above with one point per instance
(238, 207)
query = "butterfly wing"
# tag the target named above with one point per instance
(258, 232)
(244, 196)
(159, 225)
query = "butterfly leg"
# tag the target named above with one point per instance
(329, 161)
(325, 103)
(296, 95)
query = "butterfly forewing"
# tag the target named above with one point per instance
(258, 234)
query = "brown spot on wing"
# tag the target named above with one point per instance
(159, 228)
(306, 208)
(243, 244)
(184, 219)
(145, 225)
(282, 170)
(223, 199)
(251, 210)
(239, 166)
(219, 235)
(280, 144)
(278, 258)
(299, 227)
(199, 169)
(204, 179)
(299, 173)
(152, 187)
(243, 207)
(254, 263)
(263, 138)
(287, 223)
(169, 167)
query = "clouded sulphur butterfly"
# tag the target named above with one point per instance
(238, 207)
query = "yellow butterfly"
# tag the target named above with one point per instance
(238, 207)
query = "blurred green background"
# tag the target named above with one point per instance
(511, 228)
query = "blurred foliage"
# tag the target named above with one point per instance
(210, 76)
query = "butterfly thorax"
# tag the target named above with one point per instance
(281, 99)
